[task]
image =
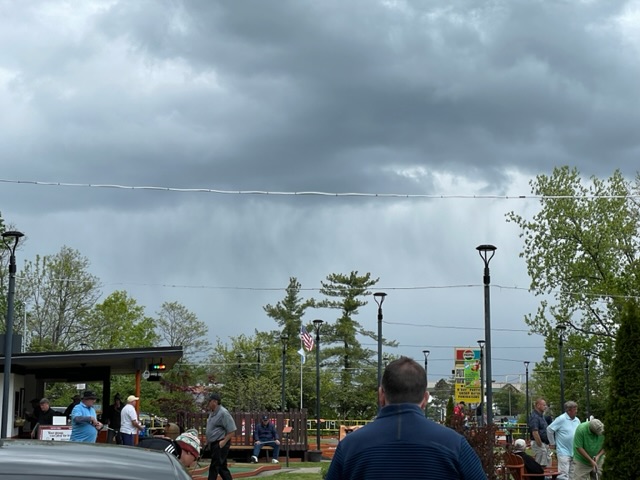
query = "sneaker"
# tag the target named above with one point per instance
(254, 459)
(275, 461)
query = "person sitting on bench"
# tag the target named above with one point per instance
(265, 434)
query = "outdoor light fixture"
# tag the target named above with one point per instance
(486, 253)
(561, 328)
(379, 298)
(481, 416)
(283, 339)
(7, 238)
(426, 365)
(526, 373)
(587, 357)
(317, 324)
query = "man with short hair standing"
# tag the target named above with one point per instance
(560, 434)
(401, 442)
(84, 421)
(129, 422)
(538, 430)
(220, 429)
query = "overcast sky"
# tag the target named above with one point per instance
(449, 98)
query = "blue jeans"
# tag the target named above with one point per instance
(128, 438)
(271, 443)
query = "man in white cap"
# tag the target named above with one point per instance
(530, 465)
(588, 451)
(186, 446)
(129, 422)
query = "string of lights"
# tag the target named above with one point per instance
(317, 193)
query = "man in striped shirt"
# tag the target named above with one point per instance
(402, 442)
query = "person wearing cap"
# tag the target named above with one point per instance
(531, 467)
(111, 418)
(265, 434)
(84, 421)
(75, 400)
(220, 428)
(186, 446)
(560, 434)
(45, 417)
(588, 449)
(130, 424)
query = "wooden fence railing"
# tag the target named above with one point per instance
(245, 422)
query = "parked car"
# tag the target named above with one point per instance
(54, 460)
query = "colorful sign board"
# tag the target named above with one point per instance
(467, 367)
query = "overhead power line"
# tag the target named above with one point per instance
(315, 193)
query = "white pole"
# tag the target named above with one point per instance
(301, 365)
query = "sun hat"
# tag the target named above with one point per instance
(189, 442)
(132, 398)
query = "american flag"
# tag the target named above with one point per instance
(307, 340)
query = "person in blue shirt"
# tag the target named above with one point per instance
(265, 434)
(401, 442)
(84, 421)
(560, 434)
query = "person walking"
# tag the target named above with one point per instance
(560, 434)
(84, 421)
(265, 434)
(220, 429)
(112, 418)
(401, 442)
(538, 430)
(588, 451)
(130, 424)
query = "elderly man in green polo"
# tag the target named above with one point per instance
(588, 451)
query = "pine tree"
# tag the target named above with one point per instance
(623, 410)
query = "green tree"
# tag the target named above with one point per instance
(288, 314)
(509, 400)
(581, 251)
(440, 396)
(622, 410)
(61, 293)
(354, 366)
(178, 326)
(119, 322)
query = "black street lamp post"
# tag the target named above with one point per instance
(561, 329)
(587, 356)
(426, 365)
(8, 336)
(526, 388)
(379, 298)
(258, 352)
(284, 338)
(481, 416)
(486, 253)
(317, 324)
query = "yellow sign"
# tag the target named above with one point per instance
(467, 374)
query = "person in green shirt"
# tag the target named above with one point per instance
(588, 452)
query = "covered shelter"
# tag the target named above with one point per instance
(31, 371)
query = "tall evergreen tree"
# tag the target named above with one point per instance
(622, 410)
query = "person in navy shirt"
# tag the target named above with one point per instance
(401, 442)
(84, 421)
(265, 434)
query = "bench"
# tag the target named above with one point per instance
(249, 450)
